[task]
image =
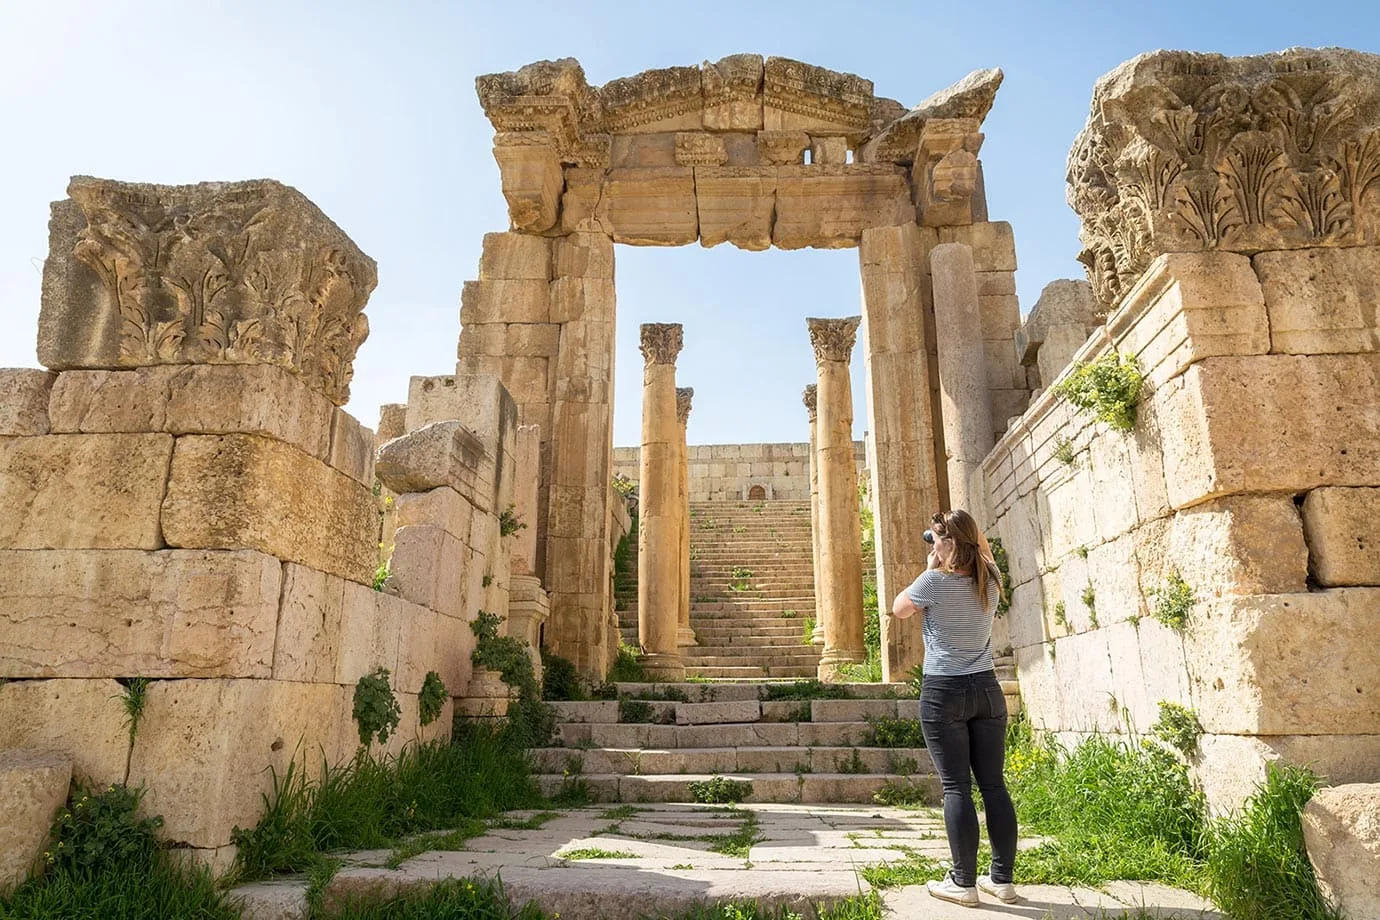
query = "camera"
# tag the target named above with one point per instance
(929, 537)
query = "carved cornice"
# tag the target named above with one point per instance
(683, 397)
(700, 148)
(653, 95)
(833, 338)
(810, 398)
(226, 273)
(970, 98)
(736, 78)
(661, 342)
(814, 92)
(1188, 152)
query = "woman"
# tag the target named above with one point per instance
(962, 710)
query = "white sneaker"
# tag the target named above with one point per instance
(948, 890)
(1002, 891)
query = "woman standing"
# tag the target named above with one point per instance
(962, 709)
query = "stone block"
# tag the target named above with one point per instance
(99, 491)
(1229, 768)
(531, 178)
(828, 151)
(711, 713)
(1000, 313)
(205, 748)
(392, 422)
(1321, 300)
(581, 299)
(352, 448)
(1341, 828)
(196, 399)
(1223, 426)
(505, 301)
(81, 719)
(993, 244)
(829, 207)
(594, 711)
(515, 257)
(583, 187)
(1087, 692)
(441, 507)
(736, 205)
(24, 410)
(1245, 655)
(649, 206)
(246, 491)
(1342, 527)
(141, 275)
(851, 710)
(1039, 685)
(308, 645)
(643, 150)
(33, 786)
(998, 284)
(427, 567)
(435, 455)
(583, 255)
(114, 613)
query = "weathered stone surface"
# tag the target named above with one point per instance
(1322, 300)
(1342, 527)
(711, 713)
(732, 89)
(99, 491)
(1245, 655)
(1229, 768)
(246, 491)
(993, 244)
(111, 613)
(736, 205)
(1341, 827)
(81, 719)
(650, 207)
(440, 507)
(392, 422)
(1063, 303)
(351, 448)
(515, 256)
(971, 97)
(583, 255)
(206, 781)
(435, 455)
(828, 207)
(428, 567)
(1239, 183)
(1223, 421)
(216, 273)
(308, 642)
(802, 97)
(33, 786)
(195, 399)
(1257, 548)
(24, 410)
(530, 174)
(504, 301)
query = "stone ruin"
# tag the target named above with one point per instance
(193, 505)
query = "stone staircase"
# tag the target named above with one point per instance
(751, 591)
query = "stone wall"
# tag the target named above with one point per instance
(724, 472)
(1253, 471)
(189, 504)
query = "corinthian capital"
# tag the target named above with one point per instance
(833, 338)
(661, 342)
(809, 397)
(683, 397)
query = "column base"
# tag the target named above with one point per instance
(817, 637)
(686, 636)
(832, 660)
(663, 667)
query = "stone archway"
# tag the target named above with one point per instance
(754, 152)
(756, 493)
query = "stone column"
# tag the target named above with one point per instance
(965, 404)
(658, 556)
(684, 634)
(809, 396)
(840, 543)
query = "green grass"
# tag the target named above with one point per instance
(739, 843)
(913, 869)
(804, 690)
(524, 824)
(158, 891)
(426, 843)
(596, 853)
(455, 899)
(620, 812)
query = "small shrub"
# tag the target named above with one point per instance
(509, 523)
(101, 829)
(808, 631)
(1063, 451)
(636, 711)
(383, 571)
(376, 709)
(810, 689)
(887, 732)
(1109, 387)
(739, 578)
(720, 790)
(1004, 566)
(1061, 615)
(432, 698)
(559, 679)
(902, 793)
(627, 668)
(851, 765)
(1173, 602)
(1177, 727)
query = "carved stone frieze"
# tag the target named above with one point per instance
(945, 174)
(699, 148)
(1185, 152)
(782, 148)
(661, 342)
(732, 90)
(810, 398)
(826, 97)
(684, 395)
(833, 338)
(216, 273)
(649, 97)
(970, 98)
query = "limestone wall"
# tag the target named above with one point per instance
(723, 472)
(188, 504)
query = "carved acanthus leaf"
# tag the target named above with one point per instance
(833, 338)
(661, 342)
(684, 395)
(810, 398)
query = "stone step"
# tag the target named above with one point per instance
(742, 711)
(753, 690)
(758, 653)
(766, 787)
(657, 762)
(751, 673)
(799, 655)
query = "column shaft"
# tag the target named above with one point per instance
(965, 403)
(809, 397)
(685, 635)
(658, 558)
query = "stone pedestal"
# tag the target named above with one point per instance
(684, 634)
(528, 608)
(658, 557)
(840, 544)
(809, 397)
(965, 404)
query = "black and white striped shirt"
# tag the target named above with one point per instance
(957, 631)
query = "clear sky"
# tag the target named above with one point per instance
(369, 109)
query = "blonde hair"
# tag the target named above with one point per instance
(968, 552)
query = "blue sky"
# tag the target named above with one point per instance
(369, 109)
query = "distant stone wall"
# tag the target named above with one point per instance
(722, 472)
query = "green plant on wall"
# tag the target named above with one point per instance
(1178, 727)
(532, 720)
(1108, 387)
(133, 699)
(376, 709)
(1004, 566)
(432, 698)
(1173, 602)
(509, 523)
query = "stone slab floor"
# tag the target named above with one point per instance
(805, 854)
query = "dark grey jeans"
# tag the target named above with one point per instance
(964, 720)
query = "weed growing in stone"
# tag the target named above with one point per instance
(1063, 451)
(851, 765)
(1108, 387)
(509, 523)
(626, 667)
(528, 716)
(636, 711)
(472, 899)
(1061, 615)
(913, 869)
(1177, 727)
(739, 843)
(807, 631)
(531, 823)
(720, 790)
(376, 710)
(1004, 566)
(1173, 602)
(432, 698)
(883, 731)
(426, 843)
(810, 689)
(596, 853)
(739, 578)
(133, 699)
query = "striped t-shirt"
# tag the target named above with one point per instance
(957, 632)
